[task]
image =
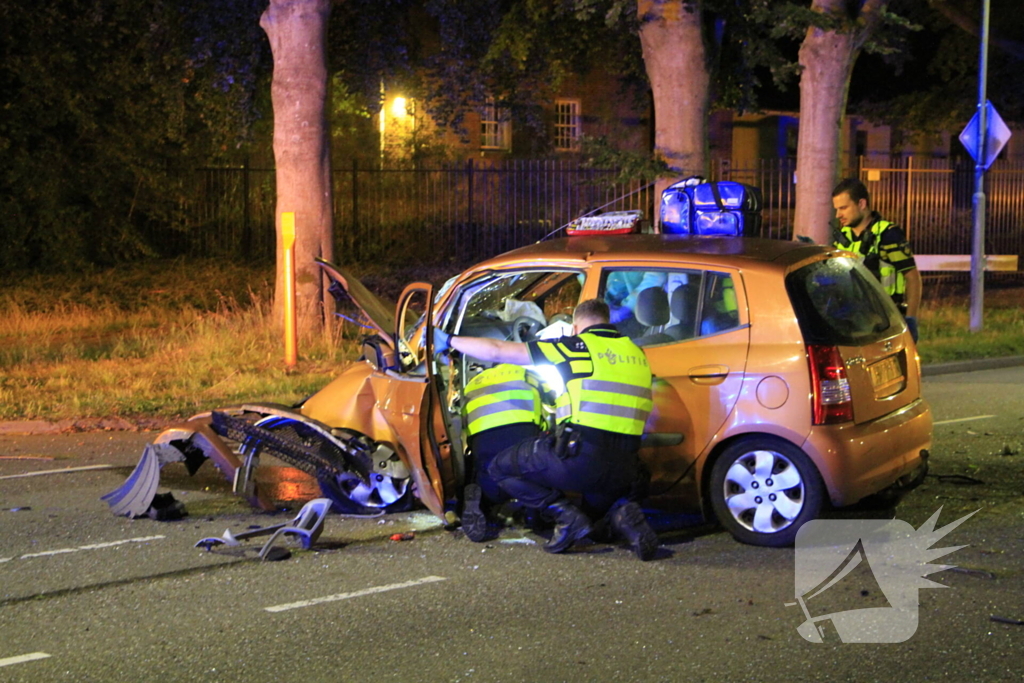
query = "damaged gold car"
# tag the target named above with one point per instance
(785, 381)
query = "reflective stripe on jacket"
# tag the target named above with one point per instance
(868, 248)
(610, 386)
(499, 396)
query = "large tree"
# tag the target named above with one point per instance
(827, 55)
(676, 59)
(692, 54)
(298, 36)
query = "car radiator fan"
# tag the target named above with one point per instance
(322, 458)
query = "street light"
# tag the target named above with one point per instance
(398, 107)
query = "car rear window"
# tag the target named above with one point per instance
(839, 302)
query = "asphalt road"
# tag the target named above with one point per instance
(86, 596)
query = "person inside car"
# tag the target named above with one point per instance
(600, 417)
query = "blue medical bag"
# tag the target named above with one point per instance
(696, 207)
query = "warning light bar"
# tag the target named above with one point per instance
(611, 223)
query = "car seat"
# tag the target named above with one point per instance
(652, 312)
(684, 307)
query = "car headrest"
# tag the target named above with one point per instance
(683, 303)
(652, 306)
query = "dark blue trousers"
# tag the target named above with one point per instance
(603, 470)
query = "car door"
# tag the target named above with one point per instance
(693, 325)
(409, 400)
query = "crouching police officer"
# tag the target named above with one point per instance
(600, 414)
(502, 407)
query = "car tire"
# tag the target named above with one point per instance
(763, 489)
(348, 493)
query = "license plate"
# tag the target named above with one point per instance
(885, 372)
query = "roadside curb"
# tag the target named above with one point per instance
(120, 424)
(971, 365)
(89, 424)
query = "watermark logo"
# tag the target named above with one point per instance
(861, 577)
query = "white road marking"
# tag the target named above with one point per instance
(92, 546)
(67, 469)
(21, 659)
(962, 419)
(354, 594)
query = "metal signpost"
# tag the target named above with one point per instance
(975, 138)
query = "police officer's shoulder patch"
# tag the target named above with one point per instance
(574, 344)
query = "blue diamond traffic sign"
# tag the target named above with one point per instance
(998, 134)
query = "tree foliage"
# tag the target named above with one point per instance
(517, 52)
(103, 101)
(937, 89)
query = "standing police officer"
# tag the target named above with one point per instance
(881, 244)
(600, 414)
(502, 407)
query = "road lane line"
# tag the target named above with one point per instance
(962, 419)
(354, 594)
(21, 659)
(93, 546)
(67, 469)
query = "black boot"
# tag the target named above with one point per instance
(570, 526)
(629, 522)
(474, 522)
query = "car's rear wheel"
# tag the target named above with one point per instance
(763, 489)
(389, 486)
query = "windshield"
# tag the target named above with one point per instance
(444, 289)
(492, 296)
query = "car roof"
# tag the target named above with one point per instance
(725, 251)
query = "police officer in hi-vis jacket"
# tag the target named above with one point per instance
(502, 406)
(600, 418)
(881, 244)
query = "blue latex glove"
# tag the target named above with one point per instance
(442, 341)
(912, 326)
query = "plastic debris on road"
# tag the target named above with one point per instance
(135, 496)
(307, 525)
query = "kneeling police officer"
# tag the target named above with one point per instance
(503, 406)
(600, 418)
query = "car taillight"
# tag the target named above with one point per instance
(832, 402)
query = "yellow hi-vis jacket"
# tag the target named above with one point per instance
(608, 385)
(880, 259)
(503, 395)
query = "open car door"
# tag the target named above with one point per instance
(412, 402)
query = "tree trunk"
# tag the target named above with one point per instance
(297, 30)
(676, 61)
(827, 58)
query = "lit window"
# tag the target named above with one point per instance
(567, 124)
(495, 130)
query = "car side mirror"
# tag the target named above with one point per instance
(379, 353)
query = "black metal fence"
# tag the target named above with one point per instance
(454, 212)
(475, 209)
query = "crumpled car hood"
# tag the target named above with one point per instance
(378, 312)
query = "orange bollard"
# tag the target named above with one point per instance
(291, 352)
